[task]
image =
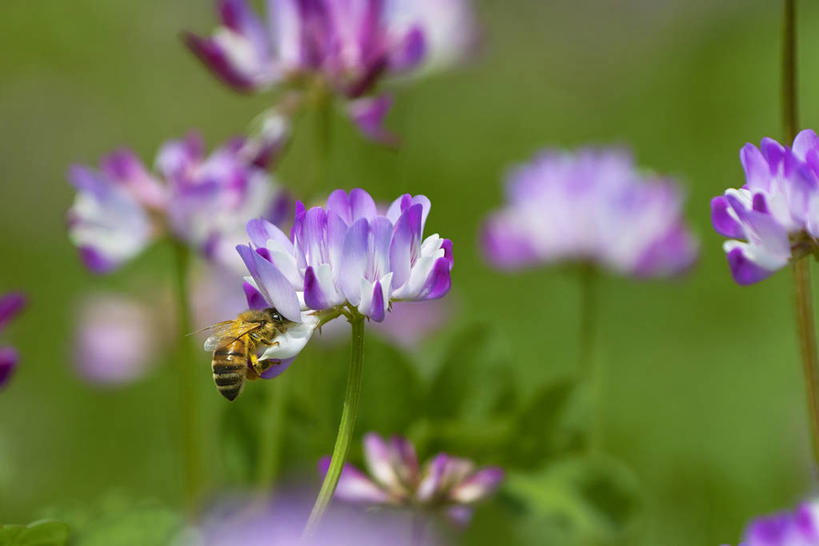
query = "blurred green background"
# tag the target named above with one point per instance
(702, 394)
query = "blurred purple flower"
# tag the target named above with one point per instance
(798, 528)
(117, 339)
(10, 306)
(346, 46)
(204, 201)
(341, 258)
(280, 522)
(449, 484)
(591, 206)
(776, 212)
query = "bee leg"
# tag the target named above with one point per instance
(261, 366)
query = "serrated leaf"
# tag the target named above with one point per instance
(591, 498)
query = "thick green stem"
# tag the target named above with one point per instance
(188, 399)
(270, 443)
(345, 428)
(803, 296)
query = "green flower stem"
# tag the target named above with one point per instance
(346, 426)
(807, 343)
(803, 297)
(587, 367)
(188, 399)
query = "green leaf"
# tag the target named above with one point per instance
(43, 533)
(547, 425)
(39, 533)
(8, 533)
(474, 381)
(591, 498)
(144, 525)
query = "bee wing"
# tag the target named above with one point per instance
(224, 333)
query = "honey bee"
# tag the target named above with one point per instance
(235, 344)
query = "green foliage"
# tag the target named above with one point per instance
(118, 520)
(241, 425)
(39, 533)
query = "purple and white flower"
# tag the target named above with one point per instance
(590, 206)
(343, 259)
(117, 339)
(202, 200)
(345, 46)
(10, 306)
(798, 528)
(449, 484)
(774, 217)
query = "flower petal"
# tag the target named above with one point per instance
(725, 223)
(354, 485)
(478, 486)
(354, 260)
(368, 114)
(8, 363)
(277, 368)
(289, 344)
(255, 300)
(10, 306)
(743, 266)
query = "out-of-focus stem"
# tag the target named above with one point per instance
(803, 296)
(588, 321)
(323, 137)
(587, 366)
(807, 344)
(789, 93)
(801, 268)
(345, 428)
(270, 442)
(188, 399)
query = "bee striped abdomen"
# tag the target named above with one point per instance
(230, 368)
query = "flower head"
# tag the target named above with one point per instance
(202, 200)
(590, 206)
(343, 258)
(10, 306)
(449, 484)
(774, 217)
(798, 528)
(346, 46)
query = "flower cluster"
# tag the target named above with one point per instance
(10, 305)
(798, 528)
(590, 206)
(342, 46)
(449, 484)
(343, 258)
(201, 200)
(774, 217)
